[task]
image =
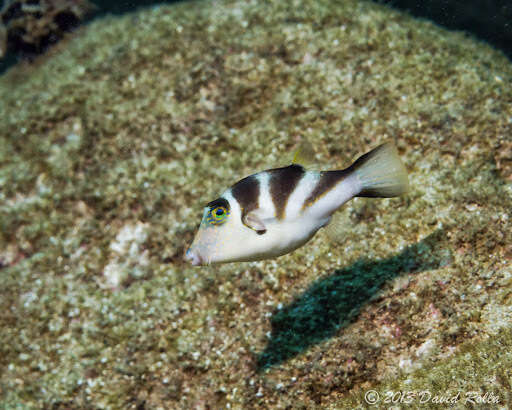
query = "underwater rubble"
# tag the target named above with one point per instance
(111, 146)
(29, 27)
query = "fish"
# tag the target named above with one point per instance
(276, 211)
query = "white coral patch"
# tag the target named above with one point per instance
(426, 348)
(129, 235)
(127, 257)
(114, 274)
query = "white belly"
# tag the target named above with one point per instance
(286, 236)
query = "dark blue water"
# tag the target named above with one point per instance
(120, 7)
(489, 20)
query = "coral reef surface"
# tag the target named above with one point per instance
(111, 146)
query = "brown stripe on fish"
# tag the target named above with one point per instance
(247, 192)
(328, 180)
(283, 181)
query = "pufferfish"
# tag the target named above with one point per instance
(274, 212)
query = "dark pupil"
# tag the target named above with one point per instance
(219, 212)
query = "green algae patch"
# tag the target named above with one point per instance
(477, 376)
(111, 145)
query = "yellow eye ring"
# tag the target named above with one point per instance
(217, 215)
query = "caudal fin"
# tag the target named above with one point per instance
(381, 173)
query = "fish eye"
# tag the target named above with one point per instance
(217, 215)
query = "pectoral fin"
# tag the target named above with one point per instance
(253, 221)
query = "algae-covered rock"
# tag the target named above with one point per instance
(110, 148)
(29, 27)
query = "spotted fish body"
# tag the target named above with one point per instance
(276, 211)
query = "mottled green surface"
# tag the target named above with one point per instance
(110, 147)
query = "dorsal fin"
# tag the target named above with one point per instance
(304, 154)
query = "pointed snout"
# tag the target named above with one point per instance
(193, 257)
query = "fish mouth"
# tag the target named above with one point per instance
(193, 257)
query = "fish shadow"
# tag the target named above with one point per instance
(333, 302)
